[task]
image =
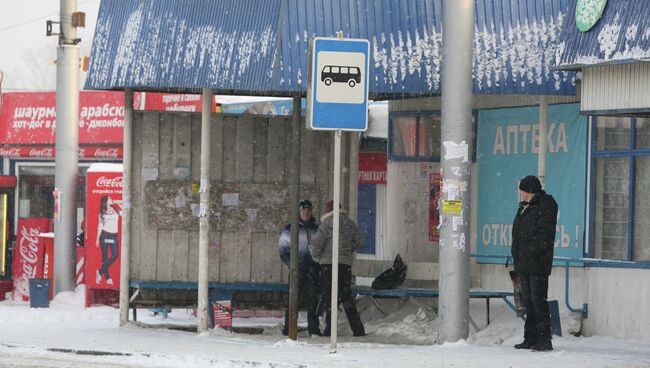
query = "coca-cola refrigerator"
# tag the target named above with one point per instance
(103, 230)
(29, 254)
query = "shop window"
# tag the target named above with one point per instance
(415, 136)
(35, 187)
(621, 188)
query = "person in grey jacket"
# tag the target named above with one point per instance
(320, 247)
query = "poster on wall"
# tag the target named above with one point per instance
(435, 188)
(507, 150)
(103, 226)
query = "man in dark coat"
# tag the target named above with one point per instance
(533, 236)
(309, 289)
(350, 239)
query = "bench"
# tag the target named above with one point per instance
(421, 273)
(220, 289)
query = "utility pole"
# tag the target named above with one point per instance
(67, 145)
(458, 30)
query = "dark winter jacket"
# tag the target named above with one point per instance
(533, 234)
(305, 233)
(350, 239)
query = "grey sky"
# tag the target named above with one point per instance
(26, 54)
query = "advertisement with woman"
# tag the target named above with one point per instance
(103, 226)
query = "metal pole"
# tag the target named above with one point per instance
(334, 305)
(67, 151)
(458, 29)
(353, 186)
(204, 210)
(127, 172)
(294, 199)
(543, 145)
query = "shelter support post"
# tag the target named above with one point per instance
(294, 195)
(543, 144)
(127, 190)
(204, 210)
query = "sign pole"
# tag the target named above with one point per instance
(335, 241)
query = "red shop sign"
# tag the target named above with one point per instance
(172, 102)
(30, 118)
(372, 167)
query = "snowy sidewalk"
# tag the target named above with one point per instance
(68, 335)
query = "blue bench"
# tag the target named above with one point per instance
(416, 271)
(215, 288)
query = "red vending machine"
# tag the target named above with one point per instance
(103, 233)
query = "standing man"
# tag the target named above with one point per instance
(309, 290)
(533, 235)
(350, 239)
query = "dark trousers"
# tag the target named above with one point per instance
(108, 240)
(309, 293)
(344, 295)
(534, 292)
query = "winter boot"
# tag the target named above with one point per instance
(544, 345)
(526, 344)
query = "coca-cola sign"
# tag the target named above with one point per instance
(44, 152)
(107, 153)
(104, 182)
(10, 152)
(28, 254)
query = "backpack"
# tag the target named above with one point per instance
(392, 277)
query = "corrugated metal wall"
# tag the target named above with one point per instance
(616, 87)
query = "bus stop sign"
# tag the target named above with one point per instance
(337, 94)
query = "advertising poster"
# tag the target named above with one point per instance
(508, 144)
(29, 254)
(103, 226)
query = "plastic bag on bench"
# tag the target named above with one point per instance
(392, 277)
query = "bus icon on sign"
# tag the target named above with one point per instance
(340, 74)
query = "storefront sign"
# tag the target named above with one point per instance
(29, 254)
(372, 167)
(507, 150)
(30, 118)
(103, 228)
(172, 102)
(588, 12)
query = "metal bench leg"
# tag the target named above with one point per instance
(471, 320)
(487, 307)
(377, 305)
(135, 314)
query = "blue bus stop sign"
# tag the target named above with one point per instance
(337, 94)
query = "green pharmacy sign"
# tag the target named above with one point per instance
(588, 12)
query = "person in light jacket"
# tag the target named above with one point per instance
(309, 289)
(350, 239)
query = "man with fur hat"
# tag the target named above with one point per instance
(350, 239)
(533, 236)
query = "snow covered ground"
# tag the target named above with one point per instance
(68, 335)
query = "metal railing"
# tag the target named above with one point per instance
(567, 263)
